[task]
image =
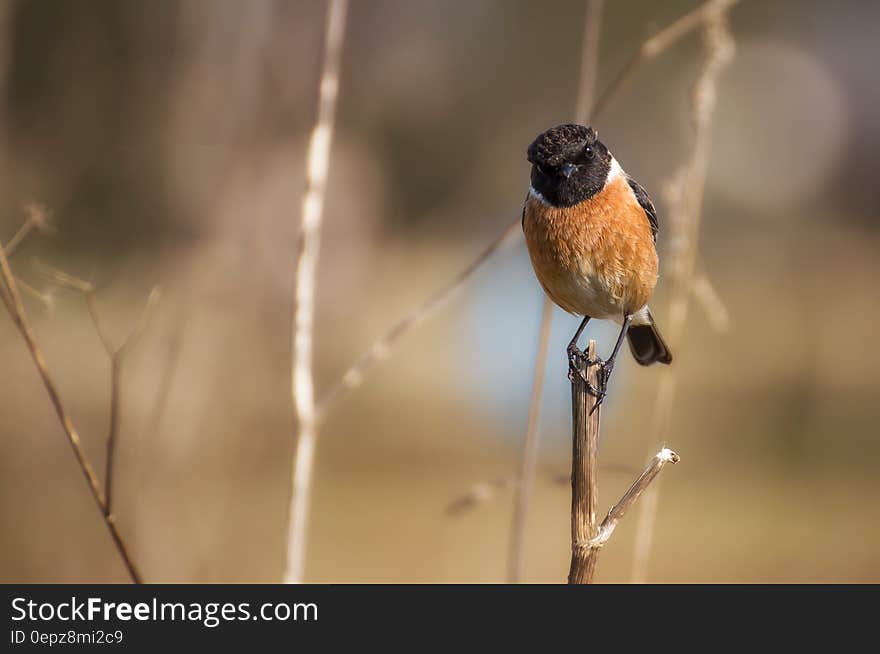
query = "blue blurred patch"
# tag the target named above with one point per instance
(502, 316)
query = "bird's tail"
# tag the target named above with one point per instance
(645, 341)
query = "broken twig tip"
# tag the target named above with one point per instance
(668, 456)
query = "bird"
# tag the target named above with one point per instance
(591, 233)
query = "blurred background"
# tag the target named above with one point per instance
(167, 142)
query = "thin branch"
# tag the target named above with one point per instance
(589, 62)
(381, 348)
(18, 238)
(116, 360)
(659, 43)
(12, 299)
(46, 299)
(609, 524)
(116, 355)
(302, 382)
(710, 302)
(584, 468)
(685, 200)
(586, 537)
(36, 218)
(484, 491)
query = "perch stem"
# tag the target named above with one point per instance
(584, 465)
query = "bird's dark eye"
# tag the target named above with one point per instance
(589, 152)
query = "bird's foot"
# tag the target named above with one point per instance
(578, 362)
(605, 368)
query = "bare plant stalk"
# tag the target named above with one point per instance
(584, 466)
(486, 490)
(589, 62)
(115, 354)
(707, 297)
(632, 494)
(382, 347)
(18, 238)
(302, 382)
(12, 299)
(36, 218)
(587, 538)
(529, 455)
(660, 42)
(685, 204)
(117, 358)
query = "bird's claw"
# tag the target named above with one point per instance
(578, 362)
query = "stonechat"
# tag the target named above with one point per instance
(591, 233)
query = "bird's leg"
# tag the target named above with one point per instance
(608, 366)
(577, 356)
(573, 352)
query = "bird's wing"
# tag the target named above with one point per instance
(646, 204)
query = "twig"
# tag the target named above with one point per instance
(659, 43)
(483, 492)
(685, 211)
(302, 383)
(586, 537)
(117, 357)
(115, 354)
(632, 494)
(381, 348)
(18, 238)
(589, 62)
(46, 299)
(529, 455)
(36, 217)
(710, 301)
(584, 465)
(12, 299)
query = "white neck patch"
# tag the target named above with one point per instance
(614, 172)
(537, 195)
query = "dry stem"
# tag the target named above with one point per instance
(116, 355)
(382, 347)
(12, 299)
(36, 218)
(586, 537)
(302, 382)
(584, 466)
(660, 42)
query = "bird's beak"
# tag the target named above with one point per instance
(567, 170)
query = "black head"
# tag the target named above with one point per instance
(569, 164)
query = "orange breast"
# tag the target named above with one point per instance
(596, 258)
